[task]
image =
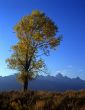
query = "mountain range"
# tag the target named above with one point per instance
(47, 83)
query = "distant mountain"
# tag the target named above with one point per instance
(9, 83)
(48, 83)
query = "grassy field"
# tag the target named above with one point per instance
(41, 100)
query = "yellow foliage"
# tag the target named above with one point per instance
(36, 33)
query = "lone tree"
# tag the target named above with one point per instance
(37, 36)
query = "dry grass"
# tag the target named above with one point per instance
(40, 100)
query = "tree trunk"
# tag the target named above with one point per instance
(25, 85)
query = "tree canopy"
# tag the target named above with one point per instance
(37, 36)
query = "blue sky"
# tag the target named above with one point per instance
(69, 15)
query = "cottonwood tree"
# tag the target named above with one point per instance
(37, 36)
